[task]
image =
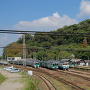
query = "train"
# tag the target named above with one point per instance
(50, 64)
(32, 63)
(3, 62)
(63, 66)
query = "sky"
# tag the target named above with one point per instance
(39, 15)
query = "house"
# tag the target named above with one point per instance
(84, 63)
(87, 62)
(74, 62)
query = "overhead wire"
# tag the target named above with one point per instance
(43, 33)
(38, 32)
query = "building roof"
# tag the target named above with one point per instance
(75, 60)
(64, 60)
(87, 61)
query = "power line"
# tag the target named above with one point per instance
(38, 32)
(46, 33)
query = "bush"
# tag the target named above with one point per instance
(2, 78)
(31, 84)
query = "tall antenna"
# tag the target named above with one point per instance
(24, 50)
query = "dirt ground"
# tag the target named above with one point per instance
(12, 81)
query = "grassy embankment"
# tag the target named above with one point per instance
(30, 83)
(2, 78)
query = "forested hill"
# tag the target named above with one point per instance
(57, 44)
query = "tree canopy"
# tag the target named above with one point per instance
(58, 44)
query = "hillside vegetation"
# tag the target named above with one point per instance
(57, 44)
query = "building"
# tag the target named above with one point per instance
(85, 63)
(13, 58)
(74, 62)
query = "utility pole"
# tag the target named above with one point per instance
(24, 51)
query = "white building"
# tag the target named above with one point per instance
(13, 58)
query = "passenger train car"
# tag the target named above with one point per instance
(63, 66)
(32, 63)
(49, 65)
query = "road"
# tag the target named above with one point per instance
(12, 81)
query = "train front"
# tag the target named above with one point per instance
(64, 66)
(36, 64)
(54, 66)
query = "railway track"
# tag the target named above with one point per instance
(73, 85)
(79, 74)
(47, 82)
(69, 83)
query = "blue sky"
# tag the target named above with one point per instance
(39, 15)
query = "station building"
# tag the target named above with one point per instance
(13, 58)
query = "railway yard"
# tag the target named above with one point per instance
(73, 79)
(45, 45)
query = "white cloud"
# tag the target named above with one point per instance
(46, 23)
(84, 8)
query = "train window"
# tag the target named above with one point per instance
(55, 64)
(36, 63)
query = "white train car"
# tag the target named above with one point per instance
(63, 66)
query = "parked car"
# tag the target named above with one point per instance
(8, 68)
(14, 70)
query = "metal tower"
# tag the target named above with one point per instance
(24, 51)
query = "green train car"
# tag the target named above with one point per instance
(49, 65)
